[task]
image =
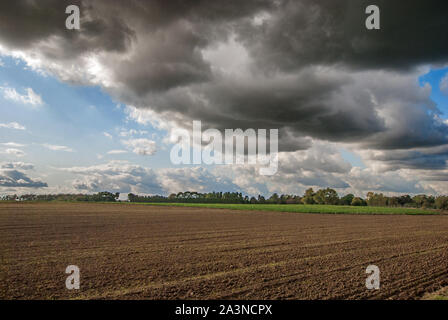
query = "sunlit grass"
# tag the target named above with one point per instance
(306, 208)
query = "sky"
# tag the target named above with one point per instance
(95, 109)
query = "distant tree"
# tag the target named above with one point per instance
(419, 200)
(274, 198)
(423, 201)
(319, 197)
(441, 202)
(322, 196)
(347, 199)
(376, 199)
(405, 200)
(326, 196)
(358, 202)
(393, 201)
(172, 196)
(294, 200)
(331, 196)
(308, 197)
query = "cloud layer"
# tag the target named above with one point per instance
(125, 177)
(308, 68)
(13, 177)
(12, 125)
(29, 97)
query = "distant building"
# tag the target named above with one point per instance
(123, 197)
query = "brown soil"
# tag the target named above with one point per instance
(149, 252)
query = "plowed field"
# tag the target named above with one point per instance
(152, 252)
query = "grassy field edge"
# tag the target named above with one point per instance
(329, 209)
(293, 208)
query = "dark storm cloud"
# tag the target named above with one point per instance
(434, 158)
(299, 33)
(25, 23)
(313, 69)
(382, 111)
(308, 32)
(165, 60)
(436, 176)
(167, 35)
(17, 179)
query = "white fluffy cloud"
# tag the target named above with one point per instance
(57, 148)
(132, 132)
(12, 125)
(319, 167)
(12, 144)
(107, 135)
(14, 152)
(117, 152)
(29, 97)
(144, 147)
(122, 176)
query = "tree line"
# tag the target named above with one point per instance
(97, 197)
(325, 196)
